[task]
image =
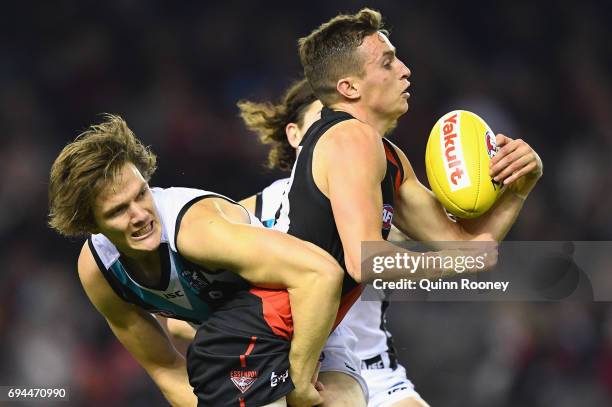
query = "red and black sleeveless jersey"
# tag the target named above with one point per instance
(307, 214)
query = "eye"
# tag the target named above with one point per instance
(142, 193)
(116, 212)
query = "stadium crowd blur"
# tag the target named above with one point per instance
(174, 70)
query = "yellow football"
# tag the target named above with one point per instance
(457, 157)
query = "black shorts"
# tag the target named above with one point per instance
(237, 360)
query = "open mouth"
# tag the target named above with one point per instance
(140, 233)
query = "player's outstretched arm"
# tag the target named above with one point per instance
(352, 160)
(140, 333)
(421, 216)
(271, 259)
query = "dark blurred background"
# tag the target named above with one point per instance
(540, 71)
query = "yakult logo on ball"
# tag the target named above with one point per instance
(452, 152)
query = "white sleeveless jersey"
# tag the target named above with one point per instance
(268, 201)
(186, 291)
(366, 319)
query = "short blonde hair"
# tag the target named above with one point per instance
(328, 53)
(87, 165)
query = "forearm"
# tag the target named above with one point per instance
(173, 382)
(499, 219)
(314, 306)
(146, 340)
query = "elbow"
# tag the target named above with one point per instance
(354, 270)
(329, 275)
(335, 275)
(180, 330)
(160, 370)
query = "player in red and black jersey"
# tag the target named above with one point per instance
(349, 183)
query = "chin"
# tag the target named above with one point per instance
(400, 112)
(150, 244)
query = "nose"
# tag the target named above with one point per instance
(405, 71)
(138, 215)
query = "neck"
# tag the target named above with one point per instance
(145, 267)
(380, 124)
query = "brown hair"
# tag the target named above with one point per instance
(269, 121)
(328, 53)
(86, 166)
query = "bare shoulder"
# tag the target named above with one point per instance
(249, 203)
(352, 141)
(207, 227)
(353, 133)
(89, 272)
(210, 210)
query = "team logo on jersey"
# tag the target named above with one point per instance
(243, 379)
(387, 217)
(176, 294)
(195, 278)
(491, 144)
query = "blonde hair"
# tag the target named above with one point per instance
(328, 53)
(88, 164)
(269, 120)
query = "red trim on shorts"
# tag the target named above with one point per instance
(346, 302)
(248, 351)
(398, 175)
(276, 310)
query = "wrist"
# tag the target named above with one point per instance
(299, 377)
(519, 195)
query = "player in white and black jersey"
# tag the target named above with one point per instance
(193, 255)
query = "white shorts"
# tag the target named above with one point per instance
(338, 356)
(387, 381)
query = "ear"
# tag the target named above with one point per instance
(348, 87)
(293, 134)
